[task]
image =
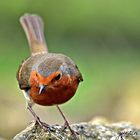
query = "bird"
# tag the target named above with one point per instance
(47, 79)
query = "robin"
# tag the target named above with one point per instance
(45, 78)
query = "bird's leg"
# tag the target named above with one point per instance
(66, 124)
(37, 119)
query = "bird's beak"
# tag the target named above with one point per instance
(41, 88)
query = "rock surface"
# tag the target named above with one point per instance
(94, 130)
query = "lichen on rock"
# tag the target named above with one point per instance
(93, 130)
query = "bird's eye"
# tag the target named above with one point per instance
(36, 75)
(58, 77)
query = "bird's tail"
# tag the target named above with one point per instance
(34, 30)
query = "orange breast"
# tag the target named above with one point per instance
(55, 94)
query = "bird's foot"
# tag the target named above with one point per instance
(43, 125)
(66, 125)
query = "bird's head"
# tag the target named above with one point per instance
(54, 76)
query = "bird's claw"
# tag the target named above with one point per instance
(44, 126)
(65, 126)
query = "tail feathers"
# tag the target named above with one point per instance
(34, 30)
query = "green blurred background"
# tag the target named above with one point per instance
(102, 37)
